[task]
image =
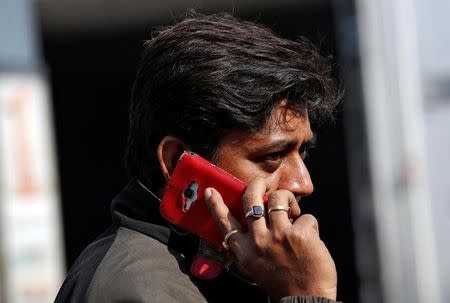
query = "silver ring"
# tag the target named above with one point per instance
(256, 211)
(227, 237)
(278, 208)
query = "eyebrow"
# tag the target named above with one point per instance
(283, 144)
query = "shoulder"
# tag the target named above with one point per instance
(138, 268)
(80, 275)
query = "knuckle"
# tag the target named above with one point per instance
(278, 237)
(311, 221)
(259, 180)
(249, 198)
(280, 195)
(299, 237)
(222, 222)
(260, 244)
(286, 192)
(274, 196)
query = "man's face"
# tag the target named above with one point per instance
(276, 153)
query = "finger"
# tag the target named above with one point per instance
(307, 224)
(253, 196)
(278, 205)
(222, 215)
(295, 211)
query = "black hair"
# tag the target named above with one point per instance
(207, 75)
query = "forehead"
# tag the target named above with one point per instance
(284, 123)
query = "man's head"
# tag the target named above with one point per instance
(232, 92)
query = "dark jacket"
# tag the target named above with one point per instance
(141, 259)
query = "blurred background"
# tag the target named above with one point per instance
(381, 169)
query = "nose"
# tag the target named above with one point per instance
(295, 177)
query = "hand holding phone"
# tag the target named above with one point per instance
(283, 257)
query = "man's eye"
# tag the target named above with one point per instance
(305, 149)
(277, 156)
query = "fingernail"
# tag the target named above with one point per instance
(208, 193)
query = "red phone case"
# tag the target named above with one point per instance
(197, 174)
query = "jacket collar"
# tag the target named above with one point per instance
(136, 208)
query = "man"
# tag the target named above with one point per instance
(243, 98)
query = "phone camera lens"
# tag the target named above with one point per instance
(189, 193)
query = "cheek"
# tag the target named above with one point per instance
(274, 181)
(242, 169)
(246, 171)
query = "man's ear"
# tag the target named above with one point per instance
(169, 151)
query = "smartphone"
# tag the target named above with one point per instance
(183, 201)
